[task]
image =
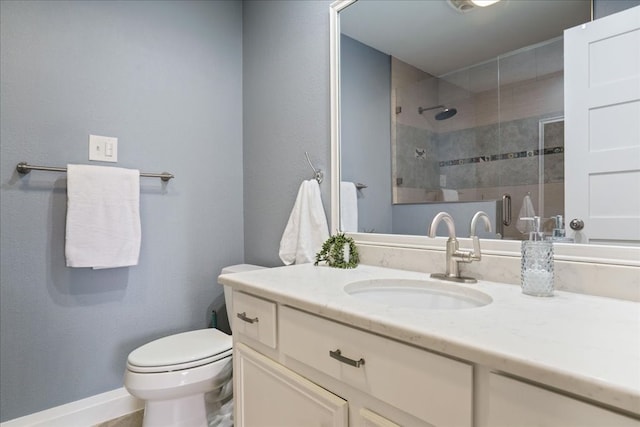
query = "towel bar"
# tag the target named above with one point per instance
(24, 168)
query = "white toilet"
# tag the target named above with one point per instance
(173, 374)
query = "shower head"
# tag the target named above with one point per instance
(445, 114)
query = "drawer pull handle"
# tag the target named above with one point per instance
(338, 356)
(243, 316)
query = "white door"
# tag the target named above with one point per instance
(269, 395)
(602, 128)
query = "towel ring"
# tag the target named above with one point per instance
(318, 175)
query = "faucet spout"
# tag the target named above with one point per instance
(476, 254)
(448, 220)
(474, 221)
(454, 255)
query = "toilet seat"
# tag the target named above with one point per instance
(181, 351)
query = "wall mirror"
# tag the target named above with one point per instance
(472, 124)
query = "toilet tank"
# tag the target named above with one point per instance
(228, 292)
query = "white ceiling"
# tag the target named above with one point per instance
(432, 36)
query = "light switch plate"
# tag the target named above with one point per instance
(103, 148)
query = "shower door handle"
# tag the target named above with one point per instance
(506, 209)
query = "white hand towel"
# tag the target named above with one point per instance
(348, 207)
(103, 216)
(307, 228)
(449, 195)
(526, 211)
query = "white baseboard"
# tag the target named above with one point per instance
(82, 413)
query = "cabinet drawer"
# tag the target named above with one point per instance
(512, 402)
(433, 388)
(254, 318)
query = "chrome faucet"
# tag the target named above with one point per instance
(453, 255)
(476, 255)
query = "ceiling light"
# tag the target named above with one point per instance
(468, 5)
(484, 3)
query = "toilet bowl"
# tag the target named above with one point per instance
(173, 374)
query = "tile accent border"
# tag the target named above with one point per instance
(503, 156)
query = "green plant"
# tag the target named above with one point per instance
(333, 251)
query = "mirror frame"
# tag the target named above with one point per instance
(602, 254)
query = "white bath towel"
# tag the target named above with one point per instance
(103, 216)
(526, 211)
(348, 207)
(307, 228)
(449, 195)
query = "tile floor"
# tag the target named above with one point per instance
(130, 420)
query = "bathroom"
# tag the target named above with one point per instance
(228, 96)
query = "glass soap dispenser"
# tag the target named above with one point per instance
(537, 275)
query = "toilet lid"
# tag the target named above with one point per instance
(181, 351)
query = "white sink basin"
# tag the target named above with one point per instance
(417, 294)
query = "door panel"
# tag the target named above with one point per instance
(602, 128)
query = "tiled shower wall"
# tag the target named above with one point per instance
(417, 158)
(486, 156)
(492, 146)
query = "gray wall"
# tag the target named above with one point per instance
(416, 219)
(365, 104)
(286, 112)
(165, 78)
(602, 8)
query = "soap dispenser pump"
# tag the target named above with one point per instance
(537, 272)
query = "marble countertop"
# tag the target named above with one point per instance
(585, 345)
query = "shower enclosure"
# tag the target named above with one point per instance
(502, 141)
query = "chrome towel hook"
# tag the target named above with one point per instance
(317, 173)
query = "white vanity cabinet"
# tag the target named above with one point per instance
(295, 368)
(254, 318)
(268, 394)
(320, 367)
(516, 403)
(430, 387)
(371, 419)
